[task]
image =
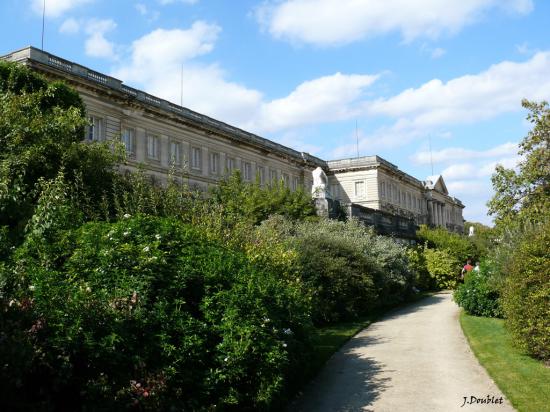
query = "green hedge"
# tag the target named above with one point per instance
(526, 294)
(479, 295)
(145, 313)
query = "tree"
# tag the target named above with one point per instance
(523, 195)
(41, 128)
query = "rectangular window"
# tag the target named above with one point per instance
(294, 183)
(129, 140)
(214, 163)
(359, 189)
(395, 194)
(230, 165)
(273, 176)
(247, 171)
(175, 153)
(153, 147)
(403, 199)
(409, 201)
(286, 180)
(260, 172)
(383, 189)
(196, 154)
(95, 129)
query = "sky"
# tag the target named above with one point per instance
(425, 84)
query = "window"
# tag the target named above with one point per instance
(153, 147)
(129, 140)
(409, 201)
(359, 189)
(294, 183)
(286, 180)
(214, 163)
(260, 172)
(196, 153)
(273, 176)
(403, 199)
(247, 171)
(383, 189)
(95, 129)
(389, 191)
(175, 153)
(230, 165)
(395, 194)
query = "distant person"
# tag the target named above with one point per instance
(476, 267)
(466, 269)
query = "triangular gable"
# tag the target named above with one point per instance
(437, 183)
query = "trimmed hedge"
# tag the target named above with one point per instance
(526, 294)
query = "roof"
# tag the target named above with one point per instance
(58, 64)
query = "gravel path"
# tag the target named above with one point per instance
(414, 359)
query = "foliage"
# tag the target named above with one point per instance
(478, 295)
(443, 267)
(483, 239)
(41, 128)
(146, 313)
(523, 195)
(256, 202)
(419, 268)
(348, 269)
(458, 245)
(526, 293)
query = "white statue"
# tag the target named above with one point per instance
(320, 181)
(471, 231)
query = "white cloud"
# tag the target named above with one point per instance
(456, 154)
(96, 44)
(70, 26)
(161, 59)
(326, 99)
(56, 8)
(334, 22)
(438, 52)
(471, 98)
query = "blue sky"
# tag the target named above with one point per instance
(304, 72)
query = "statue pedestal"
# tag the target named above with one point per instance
(322, 206)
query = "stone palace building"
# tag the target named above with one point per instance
(159, 135)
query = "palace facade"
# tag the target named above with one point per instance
(161, 135)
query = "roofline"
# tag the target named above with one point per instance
(33, 54)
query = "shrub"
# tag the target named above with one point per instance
(443, 267)
(526, 292)
(146, 313)
(348, 269)
(457, 245)
(419, 269)
(479, 295)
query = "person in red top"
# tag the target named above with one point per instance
(466, 269)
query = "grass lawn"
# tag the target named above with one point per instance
(524, 381)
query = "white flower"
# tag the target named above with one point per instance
(287, 331)
(125, 233)
(126, 216)
(157, 236)
(32, 287)
(88, 289)
(146, 249)
(226, 359)
(284, 345)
